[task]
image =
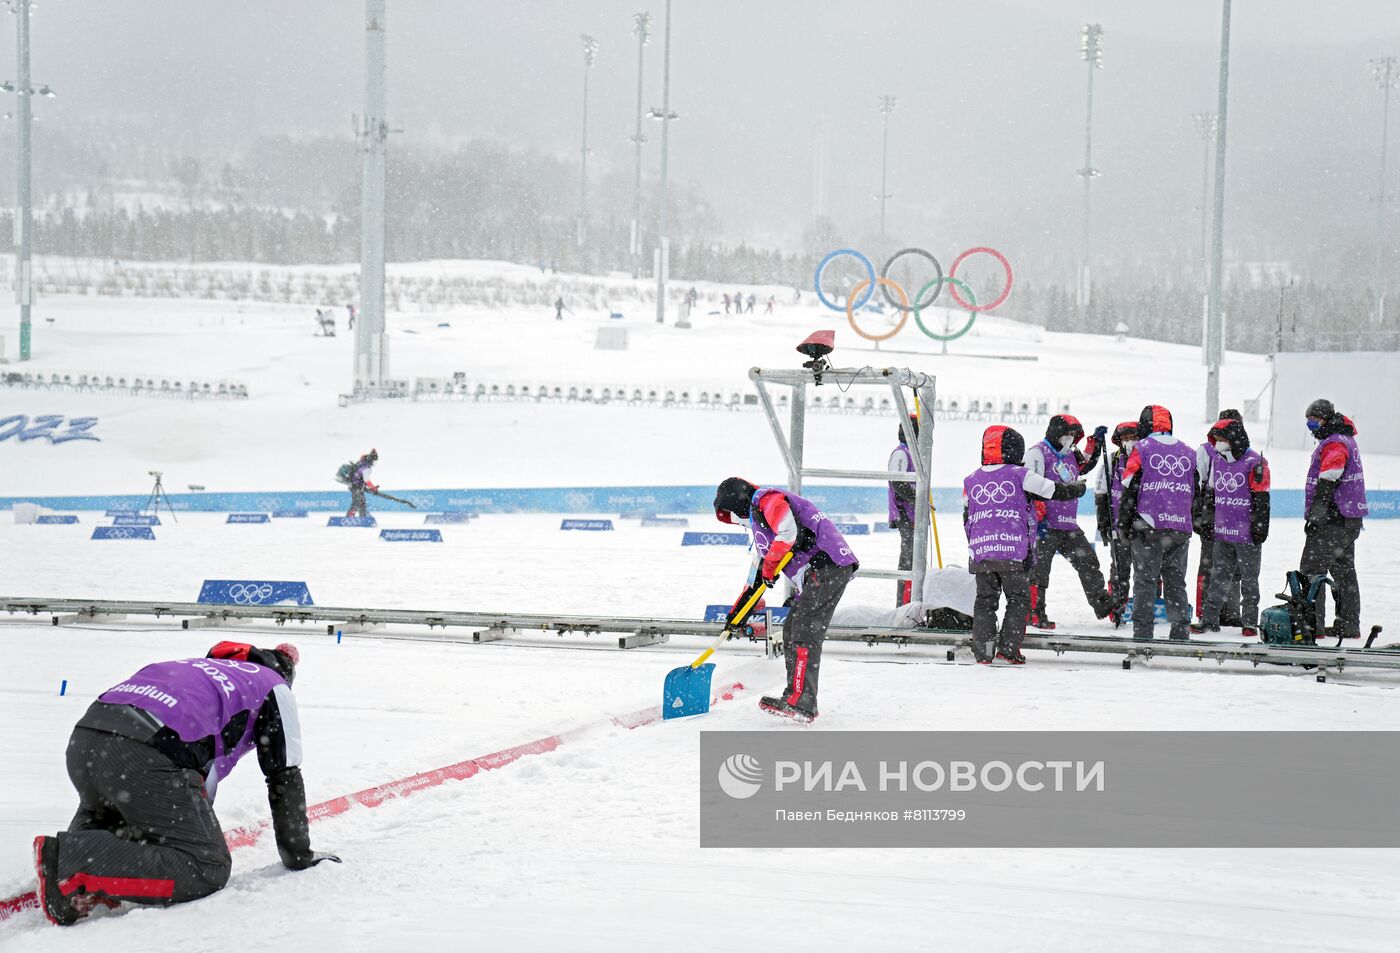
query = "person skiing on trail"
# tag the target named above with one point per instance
(1335, 506)
(357, 477)
(1159, 487)
(900, 497)
(559, 308)
(1203, 524)
(146, 760)
(1239, 489)
(1108, 496)
(821, 566)
(999, 520)
(1058, 459)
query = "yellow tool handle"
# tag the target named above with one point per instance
(741, 612)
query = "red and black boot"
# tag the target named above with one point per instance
(54, 904)
(799, 699)
(1038, 619)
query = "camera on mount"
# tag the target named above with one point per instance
(817, 346)
(155, 473)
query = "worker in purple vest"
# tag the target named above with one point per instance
(821, 565)
(998, 519)
(1203, 523)
(901, 507)
(1058, 459)
(147, 759)
(1108, 497)
(1239, 486)
(1159, 486)
(1335, 505)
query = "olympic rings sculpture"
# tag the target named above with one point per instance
(993, 493)
(862, 293)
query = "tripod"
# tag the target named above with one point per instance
(158, 495)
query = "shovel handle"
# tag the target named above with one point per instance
(741, 612)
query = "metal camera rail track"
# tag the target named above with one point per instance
(634, 632)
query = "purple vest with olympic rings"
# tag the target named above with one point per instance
(998, 515)
(900, 509)
(822, 533)
(1230, 481)
(1165, 488)
(1351, 491)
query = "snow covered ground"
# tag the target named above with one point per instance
(594, 846)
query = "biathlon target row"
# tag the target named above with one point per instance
(865, 290)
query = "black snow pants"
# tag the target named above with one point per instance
(1074, 546)
(1160, 554)
(1230, 603)
(357, 502)
(144, 831)
(804, 630)
(906, 561)
(1332, 549)
(1234, 569)
(990, 586)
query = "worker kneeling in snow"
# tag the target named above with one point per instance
(147, 758)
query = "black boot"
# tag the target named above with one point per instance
(799, 698)
(55, 905)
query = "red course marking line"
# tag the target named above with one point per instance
(403, 787)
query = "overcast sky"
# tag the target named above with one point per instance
(985, 140)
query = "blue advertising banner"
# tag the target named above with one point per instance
(247, 518)
(411, 535)
(123, 532)
(672, 521)
(289, 514)
(715, 539)
(56, 520)
(443, 519)
(853, 529)
(129, 519)
(590, 525)
(1287, 504)
(254, 592)
(121, 511)
(365, 521)
(719, 613)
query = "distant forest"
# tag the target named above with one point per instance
(297, 202)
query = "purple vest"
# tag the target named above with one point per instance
(1059, 514)
(821, 536)
(900, 509)
(1230, 481)
(998, 515)
(197, 698)
(1166, 484)
(1115, 483)
(1351, 490)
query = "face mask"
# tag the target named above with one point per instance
(1066, 442)
(1223, 446)
(1313, 424)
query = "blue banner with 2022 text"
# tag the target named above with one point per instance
(1384, 504)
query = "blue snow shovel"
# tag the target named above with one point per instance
(687, 689)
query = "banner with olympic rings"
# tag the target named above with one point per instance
(123, 532)
(861, 294)
(254, 592)
(715, 539)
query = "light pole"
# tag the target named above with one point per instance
(371, 343)
(887, 104)
(1386, 69)
(1205, 127)
(641, 29)
(1091, 51)
(1214, 324)
(590, 52)
(24, 212)
(664, 114)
